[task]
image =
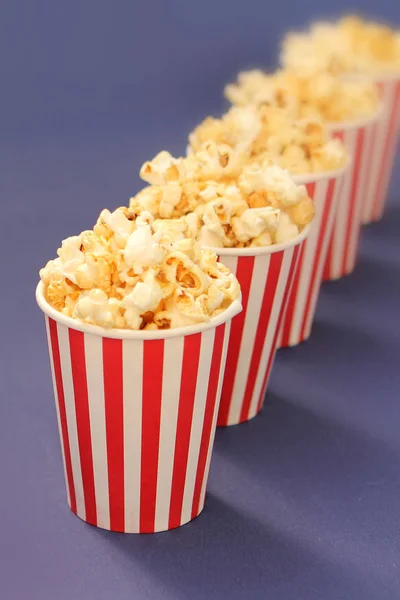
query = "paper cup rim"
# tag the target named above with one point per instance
(302, 179)
(262, 250)
(355, 123)
(130, 334)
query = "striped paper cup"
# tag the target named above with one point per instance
(136, 415)
(264, 275)
(343, 247)
(383, 140)
(324, 189)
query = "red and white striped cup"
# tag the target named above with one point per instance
(264, 275)
(383, 140)
(137, 415)
(324, 189)
(343, 247)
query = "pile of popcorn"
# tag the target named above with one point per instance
(268, 133)
(127, 274)
(317, 96)
(348, 45)
(215, 198)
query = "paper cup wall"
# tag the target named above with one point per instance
(343, 247)
(264, 275)
(137, 415)
(383, 140)
(324, 189)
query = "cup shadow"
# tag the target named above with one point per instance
(380, 240)
(388, 226)
(346, 375)
(325, 479)
(373, 288)
(226, 553)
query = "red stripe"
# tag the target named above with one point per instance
(311, 187)
(114, 409)
(387, 160)
(291, 302)
(208, 416)
(78, 367)
(153, 365)
(327, 274)
(244, 273)
(397, 110)
(190, 365)
(291, 274)
(55, 350)
(271, 284)
(314, 285)
(353, 225)
(339, 135)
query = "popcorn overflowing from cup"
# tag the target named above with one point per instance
(126, 275)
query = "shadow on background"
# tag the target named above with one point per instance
(225, 553)
(292, 446)
(342, 366)
(380, 241)
(320, 481)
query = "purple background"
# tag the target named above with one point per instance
(303, 501)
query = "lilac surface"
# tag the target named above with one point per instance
(303, 501)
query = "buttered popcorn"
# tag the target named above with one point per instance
(350, 44)
(306, 94)
(261, 205)
(269, 133)
(128, 273)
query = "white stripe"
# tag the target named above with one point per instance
(203, 376)
(251, 321)
(340, 227)
(65, 359)
(232, 263)
(369, 153)
(354, 221)
(392, 137)
(309, 249)
(382, 129)
(132, 360)
(272, 325)
(171, 384)
(359, 199)
(214, 421)
(322, 257)
(46, 319)
(227, 334)
(95, 385)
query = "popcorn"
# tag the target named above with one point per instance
(134, 272)
(162, 169)
(142, 248)
(281, 189)
(286, 229)
(301, 145)
(305, 92)
(348, 45)
(253, 87)
(253, 223)
(94, 306)
(237, 211)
